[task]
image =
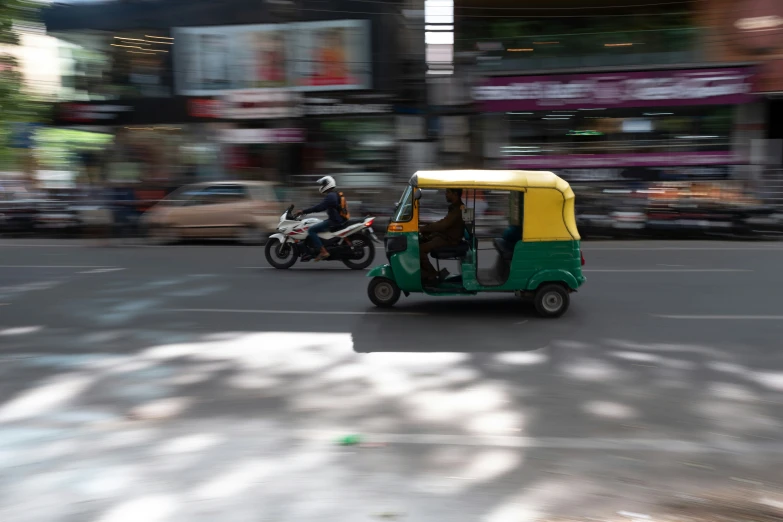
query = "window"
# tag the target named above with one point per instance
(262, 193)
(404, 210)
(228, 193)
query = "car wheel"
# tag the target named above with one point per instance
(251, 235)
(384, 293)
(162, 235)
(552, 300)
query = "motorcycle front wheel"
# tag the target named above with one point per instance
(361, 261)
(279, 255)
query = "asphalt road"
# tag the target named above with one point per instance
(190, 382)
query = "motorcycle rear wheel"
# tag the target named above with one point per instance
(368, 253)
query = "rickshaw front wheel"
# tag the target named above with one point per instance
(552, 300)
(383, 292)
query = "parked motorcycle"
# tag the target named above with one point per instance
(352, 242)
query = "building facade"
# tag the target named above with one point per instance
(604, 93)
(271, 90)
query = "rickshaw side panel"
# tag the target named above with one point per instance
(382, 271)
(406, 265)
(533, 260)
(553, 276)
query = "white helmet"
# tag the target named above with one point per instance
(326, 183)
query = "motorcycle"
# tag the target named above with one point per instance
(352, 242)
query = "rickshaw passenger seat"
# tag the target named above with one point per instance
(457, 251)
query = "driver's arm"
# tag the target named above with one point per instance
(444, 224)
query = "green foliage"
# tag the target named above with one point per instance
(16, 105)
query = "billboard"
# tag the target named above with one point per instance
(212, 60)
(332, 55)
(313, 56)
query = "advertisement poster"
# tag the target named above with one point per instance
(270, 59)
(213, 60)
(333, 55)
(313, 56)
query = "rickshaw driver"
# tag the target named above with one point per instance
(446, 232)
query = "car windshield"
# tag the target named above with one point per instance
(180, 196)
(404, 210)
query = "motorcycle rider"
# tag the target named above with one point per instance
(330, 204)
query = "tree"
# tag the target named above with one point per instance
(17, 106)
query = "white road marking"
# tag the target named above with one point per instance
(11, 245)
(21, 330)
(286, 312)
(54, 266)
(723, 317)
(101, 270)
(565, 443)
(667, 270)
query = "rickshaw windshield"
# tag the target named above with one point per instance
(404, 210)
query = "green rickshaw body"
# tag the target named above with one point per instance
(533, 265)
(541, 205)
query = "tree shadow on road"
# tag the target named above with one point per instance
(245, 422)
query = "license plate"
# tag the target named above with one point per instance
(762, 221)
(694, 223)
(629, 226)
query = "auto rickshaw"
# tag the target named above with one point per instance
(541, 259)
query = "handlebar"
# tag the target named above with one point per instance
(289, 215)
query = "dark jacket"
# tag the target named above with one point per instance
(331, 204)
(451, 227)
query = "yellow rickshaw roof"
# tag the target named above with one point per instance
(488, 179)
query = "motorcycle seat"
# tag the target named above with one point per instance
(349, 222)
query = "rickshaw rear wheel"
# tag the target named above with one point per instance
(552, 300)
(383, 292)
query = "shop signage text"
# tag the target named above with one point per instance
(636, 89)
(760, 23)
(616, 173)
(262, 135)
(760, 28)
(328, 110)
(85, 113)
(249, 105)
(582, 161)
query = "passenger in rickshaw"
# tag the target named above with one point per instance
(513, 233)
(446, 232)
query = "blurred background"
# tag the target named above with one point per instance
(665, 117)
(198, 383)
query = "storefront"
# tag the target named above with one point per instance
(152, 140)
(97, 66)
(253, 79)
(752, 31)
(352, 136)
(258, 130)
(648, 124)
